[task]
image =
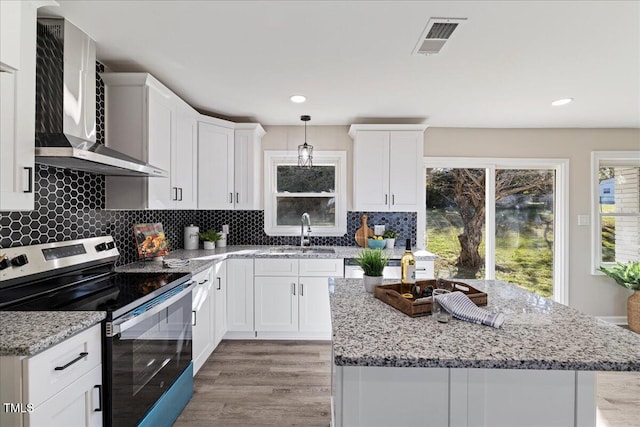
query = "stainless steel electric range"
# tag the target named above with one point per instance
(146, 347)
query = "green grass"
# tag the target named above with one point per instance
(523, 255)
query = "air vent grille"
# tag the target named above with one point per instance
(436, 34)
(441, 30)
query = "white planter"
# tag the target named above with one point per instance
(209, 245)
(370, 282)
(222, 243)
(390, 243)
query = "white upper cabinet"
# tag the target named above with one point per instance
(229, 165)
(147, 121)
(17, 103)
(10, 23)
(387, 165)
(215, 165)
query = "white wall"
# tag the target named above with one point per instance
(595, 295)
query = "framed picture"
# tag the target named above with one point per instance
(150, 240)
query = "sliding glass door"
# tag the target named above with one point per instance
(497, 220)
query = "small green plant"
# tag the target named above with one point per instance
(390, 234)
(627, 275)
(210, 236)
(372, 262)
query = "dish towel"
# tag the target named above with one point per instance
(460, 306)
(176, 263)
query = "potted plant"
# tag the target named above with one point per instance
(391, 236)
(628, 275)
(372, 263)
(210, 238)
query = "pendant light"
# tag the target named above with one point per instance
(305, 151)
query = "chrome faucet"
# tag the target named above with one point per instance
(305, 241)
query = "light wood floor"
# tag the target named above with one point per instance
(255, 383)
(287, 383)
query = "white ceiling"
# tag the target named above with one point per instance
(352, 59)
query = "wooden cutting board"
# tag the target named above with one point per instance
(363, 233)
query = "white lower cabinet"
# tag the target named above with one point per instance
(240, 298)
(77, 405)
(292, 297)
(202, 318)
(61, 386)
(276, 304)
(220, 302)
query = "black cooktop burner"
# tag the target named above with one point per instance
(115, 293)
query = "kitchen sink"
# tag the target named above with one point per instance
(300, 250)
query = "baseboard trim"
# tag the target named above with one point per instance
(616, 320)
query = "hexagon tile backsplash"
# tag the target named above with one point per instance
(70, 205)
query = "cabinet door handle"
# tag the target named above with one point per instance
(301, 289)
(193, 318)
(219, 283)
(393, 199)
(237, 197)
(29, 170)
(386, 199)
(180, 199)
(99, 387)
(293, 288)
(77, 359)
(230, 197)
(175, 193)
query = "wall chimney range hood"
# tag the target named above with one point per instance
(66, 106)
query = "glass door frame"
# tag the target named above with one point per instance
(561, 210)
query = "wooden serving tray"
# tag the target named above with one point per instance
(391, 295)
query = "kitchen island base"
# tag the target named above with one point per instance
(461, 397)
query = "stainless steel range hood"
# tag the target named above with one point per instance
(66, 106)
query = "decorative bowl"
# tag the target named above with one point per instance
(377, 244)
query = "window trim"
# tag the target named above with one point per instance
(274, 158)
(627, 157)
(561, 216)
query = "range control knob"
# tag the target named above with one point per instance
(101, 247)
(4, 262)
(111, 245)
(20, 260)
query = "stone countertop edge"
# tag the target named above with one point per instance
(210, 257)
(26, 333)
(537, 334)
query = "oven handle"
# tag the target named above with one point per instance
(126, 322)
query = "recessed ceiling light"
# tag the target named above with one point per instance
(563, 101)
(298, 98)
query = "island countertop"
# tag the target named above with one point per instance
(537, 334)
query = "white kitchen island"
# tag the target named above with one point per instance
(537, 370)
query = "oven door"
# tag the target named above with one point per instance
(149, 348)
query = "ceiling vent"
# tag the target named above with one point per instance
(436, 34)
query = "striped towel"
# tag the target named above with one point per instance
(460, 306)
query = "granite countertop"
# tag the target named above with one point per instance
(537, 334)
(202, 259)
(25, 333)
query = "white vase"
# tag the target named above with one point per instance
(371, 282)
(222, 243)
(209, 245)
(390, 243)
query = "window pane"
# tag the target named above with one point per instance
(524, 228)
(294, 179)
(618, 190)
(455, 220)
(619, 198)
(320, 209)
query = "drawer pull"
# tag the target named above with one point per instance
(203, 282)
(77, 359)
(99, 387)
(219, 283)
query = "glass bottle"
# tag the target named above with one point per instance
(408, 266)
